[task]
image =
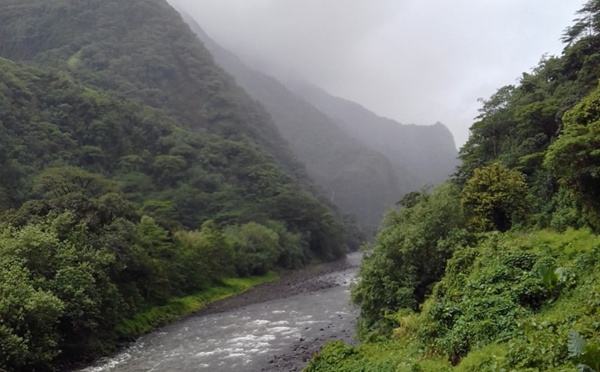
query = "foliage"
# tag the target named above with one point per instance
(517, 125)
(521, 298)
(118, 139)
(179, 177)
(389, 356)
(495, 197)
(256, 248)
(408, 256)
(31, 344)
(575, 156)
(587, 356)
(150, 109)
(80, 274)
(493, 311)
(586, 25)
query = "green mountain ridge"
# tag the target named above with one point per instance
(142, 50)
(139, 50)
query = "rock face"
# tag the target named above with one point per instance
(363, 171)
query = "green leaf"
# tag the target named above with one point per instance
(575, 344)
(549, 277)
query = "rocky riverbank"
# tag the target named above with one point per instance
(313, 279)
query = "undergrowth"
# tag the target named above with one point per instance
(511, 303)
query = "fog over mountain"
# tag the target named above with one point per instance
(363, 162)
(361, 181)
(413, 61)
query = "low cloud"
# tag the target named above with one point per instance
(416, 61)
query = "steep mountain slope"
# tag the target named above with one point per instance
(82, 255)
(361, 181)
(427, 152)
(132, 171)
(142, 50)
(137, 49)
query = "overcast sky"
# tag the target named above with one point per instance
(415, 61)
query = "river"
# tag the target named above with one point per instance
(273, 335)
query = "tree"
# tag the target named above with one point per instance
(29, 337)
(495, 197)
(587, 24)
(60, 181)
(574, 158)
(256, 248)
(409, 255)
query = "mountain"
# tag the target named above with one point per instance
(427, 152)
(142, 50)
(133, 171)
(364, 163)
(359, 180)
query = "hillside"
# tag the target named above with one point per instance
(347, 149)
(516, 303)
(142, 50)
(133, 171)
(359, 180)
(497, 268)
(426, 155)
(101, 189)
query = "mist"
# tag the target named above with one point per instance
(413, 61)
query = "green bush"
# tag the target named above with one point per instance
(409, 255)
(510, 302)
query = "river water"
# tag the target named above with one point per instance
(277, 335)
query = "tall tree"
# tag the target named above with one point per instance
(586, 24)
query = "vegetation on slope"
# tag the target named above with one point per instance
(512, 302)
(144, 51)
(497, 270)
(73, 268)
(359, 180)
(138, 49)
(84, 140)
(132, 171)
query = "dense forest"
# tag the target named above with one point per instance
(497, 269)
(133, 171)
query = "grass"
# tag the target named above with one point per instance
(180, 307)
